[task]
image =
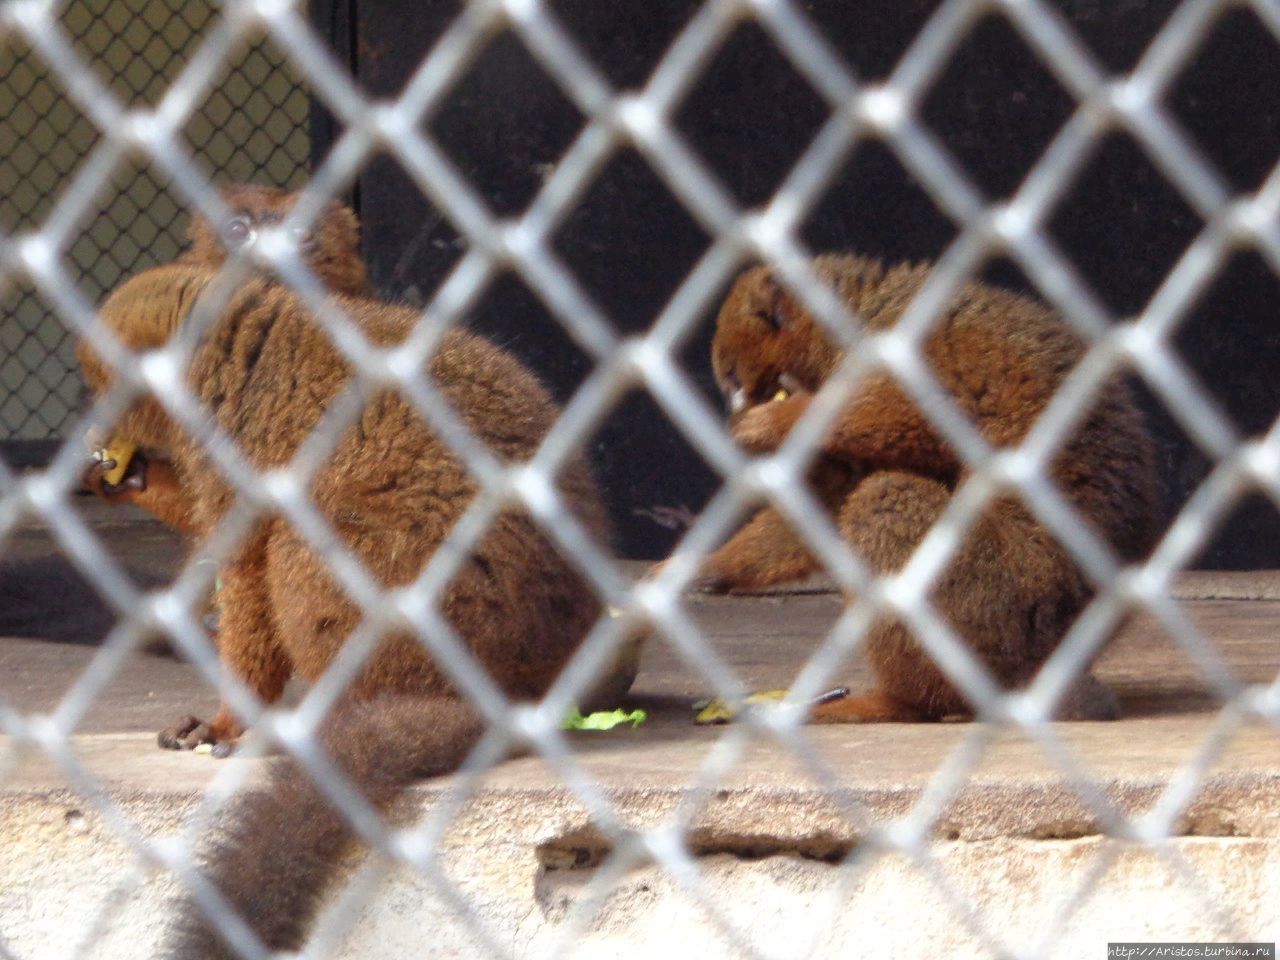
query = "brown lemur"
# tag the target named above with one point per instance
(264, 372)
(331, 248)
(1011, 591)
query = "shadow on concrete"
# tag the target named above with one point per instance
(47, 598)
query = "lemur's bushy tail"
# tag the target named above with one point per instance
(286, 841)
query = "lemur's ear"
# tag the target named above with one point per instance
(343, 218)
(766, 306)
(204, 240)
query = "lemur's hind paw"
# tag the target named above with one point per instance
(190, 732)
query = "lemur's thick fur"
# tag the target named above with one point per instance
(392, 490)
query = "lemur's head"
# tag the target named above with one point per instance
(767, 343)
(331, 245)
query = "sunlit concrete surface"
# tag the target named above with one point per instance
(1019, 857)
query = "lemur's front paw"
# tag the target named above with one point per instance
(133, 480)
(191, 732)
(762, 428)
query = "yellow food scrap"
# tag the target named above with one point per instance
(602, 719)
(782, 393)
(716, 710)
(721, 711)
(120, 451)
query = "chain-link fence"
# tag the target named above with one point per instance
(163, 136)
(253, 128)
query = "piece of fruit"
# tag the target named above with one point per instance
(120, 453)
(602, 719)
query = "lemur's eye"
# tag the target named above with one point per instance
(769, 317)
(237, 231)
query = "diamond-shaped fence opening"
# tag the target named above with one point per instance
(397, 512)
(254, 127)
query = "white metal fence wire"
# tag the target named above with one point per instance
(1130, 102)
(254, 127)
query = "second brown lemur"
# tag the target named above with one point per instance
(1010, 591)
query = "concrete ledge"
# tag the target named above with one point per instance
(1017, 860)
(1015, 842)
(1189, 585)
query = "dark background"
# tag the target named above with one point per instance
(750, 116)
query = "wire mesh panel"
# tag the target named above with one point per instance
(271, 510)
(254, 128)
